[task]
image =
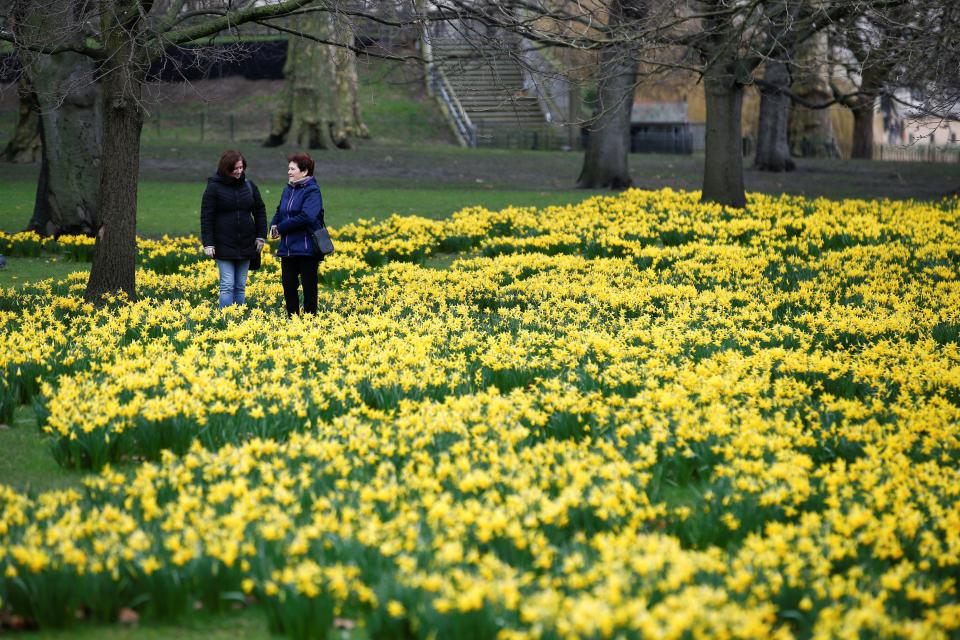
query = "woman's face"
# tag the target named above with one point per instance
(294, 172)
(237, 169)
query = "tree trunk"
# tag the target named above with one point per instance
(68, 101)
(773, 145)
(25, 144)
(41, 221)
(71, 140)
(863, 128)
(115, 255)
(811, 130)
(723, 152)
(606, 159)
(319, 103)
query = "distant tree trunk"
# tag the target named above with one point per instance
(862, 106)
(68, 100)
(773, 144)
(115, 256)
(319, 102)
(71, 140)
(606, 159)
(723, 152)
(811, 130)
(25, 144)
(863, 127)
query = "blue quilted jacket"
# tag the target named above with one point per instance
(300, 212)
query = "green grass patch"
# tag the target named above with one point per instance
(395, 107)
(174, 207)
(17, 204)
(26, 463)
(249, 623)
(20, 271)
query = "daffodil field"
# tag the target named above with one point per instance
(638, 416)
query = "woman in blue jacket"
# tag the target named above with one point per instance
(299, 213)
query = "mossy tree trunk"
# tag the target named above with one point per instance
(69, 112)
(319, 106)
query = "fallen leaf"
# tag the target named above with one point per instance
(344, 623)
(128, 617)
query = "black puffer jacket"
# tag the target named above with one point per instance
(232, 217)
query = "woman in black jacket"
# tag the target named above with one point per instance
(233, 224)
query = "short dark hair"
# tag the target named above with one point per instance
(303, 161)
(228, 160)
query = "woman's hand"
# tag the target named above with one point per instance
(260, 243)
(274, 232)
(210, 252)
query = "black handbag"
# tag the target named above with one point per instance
(321, 241)
(255, 261)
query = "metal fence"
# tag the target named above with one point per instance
(675, 142)
(916, 153)
(206, 126)
(546, 138)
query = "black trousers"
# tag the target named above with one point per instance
(293, 271)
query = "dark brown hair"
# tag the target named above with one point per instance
(228, 159)
(303, 162)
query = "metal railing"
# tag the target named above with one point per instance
(534, 138)
(440, 86)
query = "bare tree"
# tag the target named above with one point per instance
(911, 44)
(792, 41)
(726, 38)
(606, 157)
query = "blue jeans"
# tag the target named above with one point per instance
(233, 281)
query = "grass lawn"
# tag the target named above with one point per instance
(21, 270)
(27, 464)
(174, 207)
(249, 623)
(435, 181)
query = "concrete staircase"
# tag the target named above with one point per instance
(490, 89)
